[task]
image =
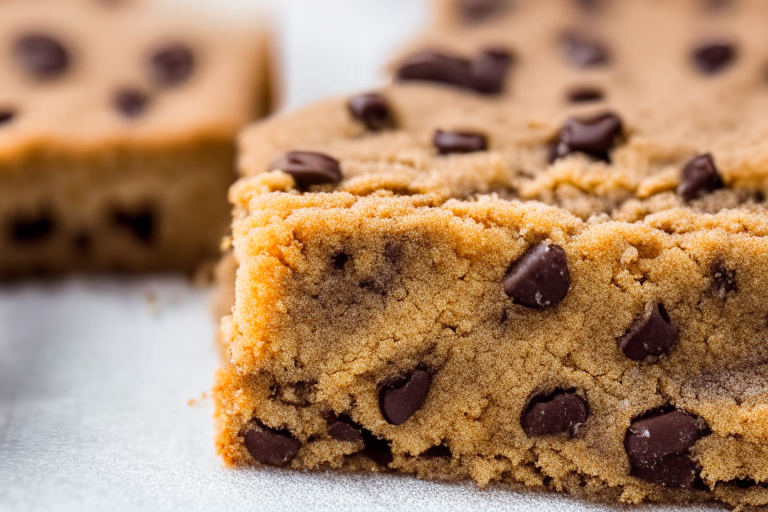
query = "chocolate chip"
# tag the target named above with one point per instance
(489, 70)
(32, 229)
(140, 223)
(439, 451)
(652, 335)
(339, 260)
(172, 64)
(594, 136)
(308, 168)
(130, 102)
(400, 398)
(585, 94)
(554, 414)
(372, 110)
(459, 142)
(723, 280)
(477, 11)
(344, 429)
(6, 116)
(658, 448)
(41, 56)
(713, 57)
(584, 52)
(539, 278)
(270, 446)
(377, 449)
(436, 67)
(699, 177)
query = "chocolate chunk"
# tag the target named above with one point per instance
(130, 102)
(436, 67)
(554, 414)
(713, 57)
(699, 177)
(594, 136)
(723, 280)
(372, 110)
(32, 229)
(41, 56)
(489, 70)
(140, 223)
(270, 446)
(343, 429)
(400, 398)
(459, 142)
(308, 168)
(441, 450)
(6, 116)
(585, 94)
(584, 52)
(658, 448)
(172, 64)
(339, 260)
(652, 335)
(377, 449)
(478, 11)
(539, 278)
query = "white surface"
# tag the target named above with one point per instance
(96, 374)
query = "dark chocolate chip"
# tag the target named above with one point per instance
(6, 116)
(345, 431)
(652, 335)
(658, 448)
(339, 260)
(436, 67)
(140, 223)
(490, 69)
(594, 136)
(377, 449)
(32, 229)
(554, 414)
(439, 451)
(478, 11)
(723, 280)
(400, 398)
(713, 57)
(270, 446)
(459, 142)
(699, 177)
(585, 94)
(372, 110)
(41, 56)
(308, 168)
(584, 52)
(172, 64)
(539, 278)
(130, 102)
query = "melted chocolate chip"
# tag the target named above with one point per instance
(723, 280)
(372, 110)
(594, 136)
(272, 447)
(699, 177)
(377, 449)
(584, 52)
(308, 168)
(490, 69)
(539, 278)
(652, 335)
(585, 94)
(140, 223)
(32, 229)
(6, 116)
(436, 67)
(459, 142)
(130, 103)
(478, 11)
(172, 64)
(554, 414)
(400, 398)
(713, 57)
(41, 56)
(658, 448)
(345, 430)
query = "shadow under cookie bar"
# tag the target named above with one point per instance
(498, 340)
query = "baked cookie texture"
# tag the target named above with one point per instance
(117, 133)
(539, 257)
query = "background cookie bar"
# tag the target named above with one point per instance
(117, 127)
(499, 340)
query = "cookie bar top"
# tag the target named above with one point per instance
(79, 74)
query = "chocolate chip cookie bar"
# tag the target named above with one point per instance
(117, 134)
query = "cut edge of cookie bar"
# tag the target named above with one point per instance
(413, 332)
